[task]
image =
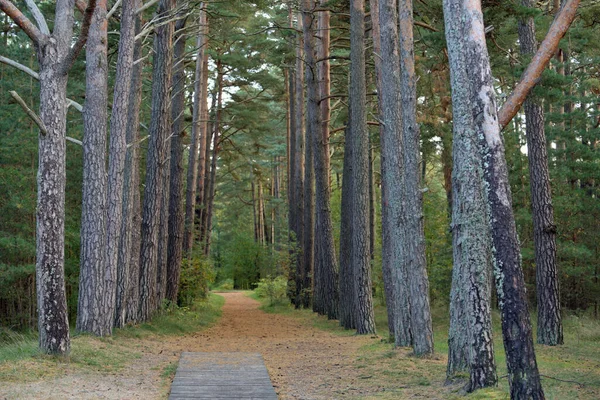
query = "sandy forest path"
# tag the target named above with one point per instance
(303, 362)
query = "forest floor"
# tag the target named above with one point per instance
(307, 357)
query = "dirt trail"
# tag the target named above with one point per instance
(303, 362)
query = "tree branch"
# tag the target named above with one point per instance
(20, 67)
(146, 6)
(23, 22)
(83, 35)
(35, 76)
(426, 26)
(29, 112)
(113, 9)
(38, 16)
(73, 140)
(539, 62)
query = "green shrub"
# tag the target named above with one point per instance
(196, 274)
(274, 289)
(227, 284)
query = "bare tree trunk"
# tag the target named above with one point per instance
(159, 131)
(215, 154)
(414, 236)
(360, 252)
(118, 201)
(204, 183)
(91, 307)
(198, 133)
(176, 214)
(347, 301)
(516, 325)
(55, 56)
(470, 337)
(163, 233)
(388, 287)
(392, 178)
(134, 224)
(326, 259)
(299, 168)
(549, 330)
(311, 128)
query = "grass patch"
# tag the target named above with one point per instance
(307, 316)
(401, 375)
(21, 361)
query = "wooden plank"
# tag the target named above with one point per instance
(222, 376)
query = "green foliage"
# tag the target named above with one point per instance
(197, 273)
(274, 289)
(227, 284)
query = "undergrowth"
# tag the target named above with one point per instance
(21, 361)
(570, 371)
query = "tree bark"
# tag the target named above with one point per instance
(311, 129)
(328, 276)
(134, 223)
(470, 336)
(210, 195)
(159, 131)
(392, 178)
(299, 167)
(347, 301)
(317, 79)
(388, 287)
(549, 330)
(92, 307)
(516, 325)
(116, 275)
(414, 234)
(176, 214)
(360, 252)
(198, 134)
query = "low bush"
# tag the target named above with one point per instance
(274, 289)
(196, 274)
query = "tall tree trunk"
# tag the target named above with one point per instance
(360, 252)
(53, 324)
(299, 167)
(215, 157)
(159, 132)
(311, 129)
(392, 178)
(163, 230)
(134, 221)
(328, 286)
(470, 337)
(516, 324)
(292, 177)
(119, 211)
(347, 300)
(204, 183)
(198, 134)
(388, 286)
(91, 307)
(176, 214)
(549, 330)
(414, 234)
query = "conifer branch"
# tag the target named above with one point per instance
(83, 35)
(23, 22)
(38, 16)
(34, 117)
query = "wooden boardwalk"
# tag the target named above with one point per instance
(222, 376)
